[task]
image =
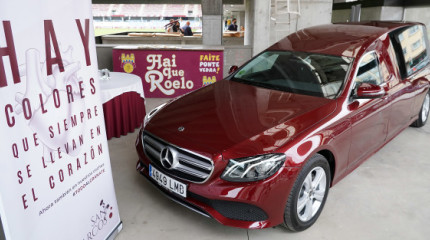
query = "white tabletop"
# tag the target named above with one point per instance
(120, 83)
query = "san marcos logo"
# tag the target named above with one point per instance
(99, 220)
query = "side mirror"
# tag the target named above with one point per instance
(369, 91)
(233, 69)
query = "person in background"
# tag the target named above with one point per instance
(187, 29)
(227, 24)
(169, 26)
(233, 26)
(177, 27)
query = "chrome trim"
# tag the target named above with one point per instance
(159, 148)
(185, 169)
(201, 165)
(169, 158)
(190, 171)
(183, 149)
(185, 205)
(152, 151)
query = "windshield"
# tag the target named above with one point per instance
(296, 72)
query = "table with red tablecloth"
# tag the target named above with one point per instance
(123, 103)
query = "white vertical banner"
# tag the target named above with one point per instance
(55, 173)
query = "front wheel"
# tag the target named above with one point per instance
(308, 196)
(424, 113)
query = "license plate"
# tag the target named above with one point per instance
(168, 182)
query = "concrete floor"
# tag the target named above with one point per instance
(387, 197)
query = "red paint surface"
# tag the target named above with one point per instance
(231, 120)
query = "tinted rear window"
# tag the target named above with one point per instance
(411, 48)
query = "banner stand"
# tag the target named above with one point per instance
(56, 176)
(115, 232)
(2, 237)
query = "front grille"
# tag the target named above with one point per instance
(239, 211)
(190, 166)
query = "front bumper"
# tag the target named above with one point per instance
(258, 204)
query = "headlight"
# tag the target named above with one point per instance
(152, 113)
(253, 168)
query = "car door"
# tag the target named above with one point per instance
(409, 53)
(370, 119)
(400, 97)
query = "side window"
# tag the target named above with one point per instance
(368, 71)
(413, 44)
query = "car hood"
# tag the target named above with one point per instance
(237, 118)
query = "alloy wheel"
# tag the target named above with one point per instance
(311, 194)
(426, 108)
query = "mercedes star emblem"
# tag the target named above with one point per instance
(168, 158)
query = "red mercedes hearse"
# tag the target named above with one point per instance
(263, 146)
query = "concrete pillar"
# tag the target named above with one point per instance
(355, 13)
(268, 21)
(212, 11)
(261, 25)
(249, 22)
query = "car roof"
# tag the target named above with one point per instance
(340, 39)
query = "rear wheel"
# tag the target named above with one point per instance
(424, 113)
(308, 196)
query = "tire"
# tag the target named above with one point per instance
(423, 115)
(310, 197)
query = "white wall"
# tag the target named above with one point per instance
(311, 13)
(419, 14)
(274, 21)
